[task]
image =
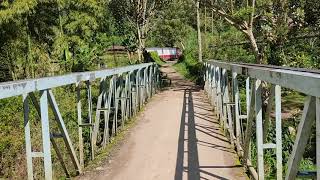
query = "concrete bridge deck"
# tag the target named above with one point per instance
(176, 137)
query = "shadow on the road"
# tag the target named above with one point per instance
(187, 119)
(207, 109)
(216, 146)
(187, 134)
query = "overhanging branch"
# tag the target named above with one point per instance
(240, 25)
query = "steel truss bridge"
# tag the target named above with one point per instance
(124, 91)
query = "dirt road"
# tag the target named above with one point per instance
(176, 137)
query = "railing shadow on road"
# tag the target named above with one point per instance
(188, 135)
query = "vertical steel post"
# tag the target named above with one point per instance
(248, 95)
(220, 95)
(207, 79)
(141, 91)
(149, 82)
(137, 94)
(141, 80)
(229, 123)
(210, 78)
(134, 92)
(259, 129)
(115, 115)
(209, 82)
(130, 94)
(236, 109)
(96, 123)
(89, 96)
(248, 133)
(154, 81)
(278, 131)
(223, 98)
(27, 135)
(214, 89)
(79, 114)
(45, 134)
(268, 113)
(122, 97)
(247, 105)
(126, 98)
(143, 83)
(107, 105)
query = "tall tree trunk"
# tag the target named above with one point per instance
(199, 31)
(205, 20)
(66, 49)
(231, 6)
(29, 63)
(141, 26)
(212, 15)
(139, 43)
(254, 46)
(11, 68)
(129, 55)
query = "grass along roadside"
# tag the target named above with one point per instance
(104, 154)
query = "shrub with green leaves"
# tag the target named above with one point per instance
(156, 58)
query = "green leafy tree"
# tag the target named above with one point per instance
(170, 27)
(140, 15)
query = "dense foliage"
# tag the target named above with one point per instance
(40, 38)
(284, 33)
